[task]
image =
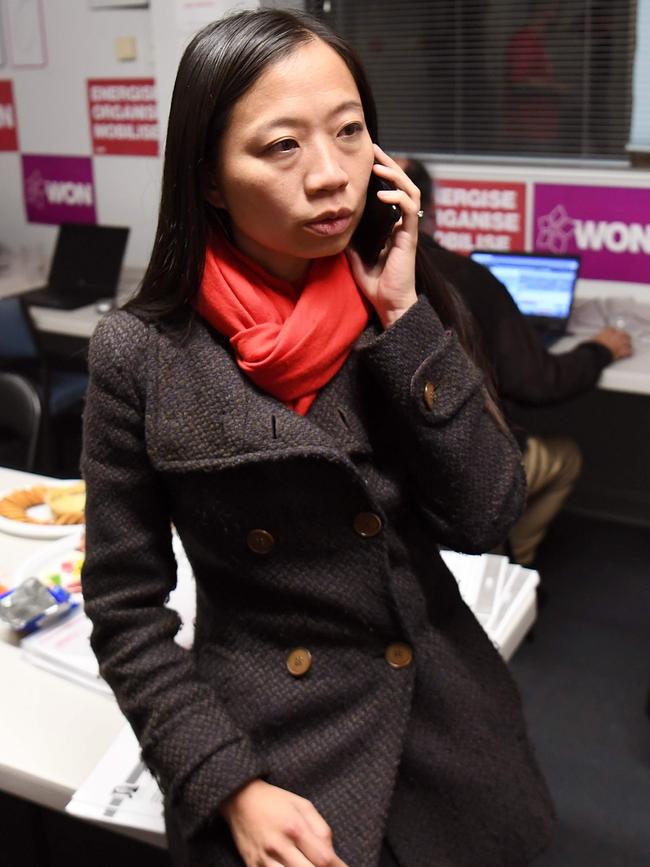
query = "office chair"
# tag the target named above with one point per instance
(20, 415)
(58, 390)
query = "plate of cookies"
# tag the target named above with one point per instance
(43, 511)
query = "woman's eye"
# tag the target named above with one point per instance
(287, 144)
(351, 129)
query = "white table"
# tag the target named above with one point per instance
(629, 374)
(80, 322)
(52, 732)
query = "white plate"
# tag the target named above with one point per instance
(47, 558)
(38, 531)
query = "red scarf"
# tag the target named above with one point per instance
(289, 341)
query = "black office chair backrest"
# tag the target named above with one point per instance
(20, 413)
(18, 343)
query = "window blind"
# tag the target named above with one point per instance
(640, 133)
(549, 78)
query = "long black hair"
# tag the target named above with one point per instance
(221, 63)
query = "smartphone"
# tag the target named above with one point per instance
(376, 222)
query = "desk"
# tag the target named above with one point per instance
(611, 424)
(52, 732)
(80, 322)
(627, 375)
(630, 375)
(64, 334)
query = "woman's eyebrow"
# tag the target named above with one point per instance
(299, 121)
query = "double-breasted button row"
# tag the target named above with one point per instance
(397, 655)
(367, 524)
(260, 541)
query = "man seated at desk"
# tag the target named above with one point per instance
(525, 374)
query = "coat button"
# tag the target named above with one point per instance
(430, 394)
(367, 524)
(299, 661)
(398, 655)
(260, 541)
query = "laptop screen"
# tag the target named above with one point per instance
(541, 285)
(87, 258)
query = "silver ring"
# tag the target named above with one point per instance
(420, 214)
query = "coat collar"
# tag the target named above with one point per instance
(203, 412)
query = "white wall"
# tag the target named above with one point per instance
(172, 28)
(52, 114)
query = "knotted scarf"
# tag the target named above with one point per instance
(290, 340)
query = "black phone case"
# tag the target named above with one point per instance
(376, 223)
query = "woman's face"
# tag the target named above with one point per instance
(294, 162)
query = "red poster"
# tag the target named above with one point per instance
(8, 131)
(480, 215)
(123, 116)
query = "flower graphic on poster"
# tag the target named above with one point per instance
(554, 230)
(35, 190)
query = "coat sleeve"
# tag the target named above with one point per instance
(193, 748)
(464, 468)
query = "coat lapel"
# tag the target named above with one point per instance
(203, 412)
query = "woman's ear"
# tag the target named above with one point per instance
(212, 192)
(213, 195)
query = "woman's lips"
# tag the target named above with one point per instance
(330, 226)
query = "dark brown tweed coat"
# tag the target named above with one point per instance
(433, 755)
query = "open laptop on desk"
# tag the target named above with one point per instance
(85, 267)
(541, 285)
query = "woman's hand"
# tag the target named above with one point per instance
(390, 284)
(273, 827)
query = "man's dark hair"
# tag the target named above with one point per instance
(419, 174)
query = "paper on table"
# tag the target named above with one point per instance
(520, 584)
(467, 569)
(495, 589)
(64, 648)
(590, 315)
(495, 570)
(120, 790)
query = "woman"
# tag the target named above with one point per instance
(313, 432)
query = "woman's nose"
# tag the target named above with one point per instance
(325, 171)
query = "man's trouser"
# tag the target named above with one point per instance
(552, 466)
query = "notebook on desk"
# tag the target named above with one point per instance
(85, 267)
(542, 286)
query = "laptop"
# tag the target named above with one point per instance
(542, 286)
(85, 267)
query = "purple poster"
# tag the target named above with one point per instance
(59, 189)
(608, 226)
